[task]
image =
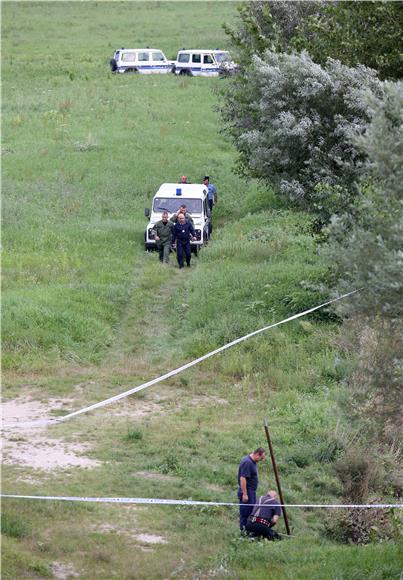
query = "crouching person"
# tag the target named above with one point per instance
(264, 516)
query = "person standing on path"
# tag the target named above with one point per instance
(182, 233)
(163, 234)
(211, 192)
(247, 484)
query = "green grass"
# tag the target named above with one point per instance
(87, 314)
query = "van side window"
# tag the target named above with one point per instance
(157, 56)
(207, 59)
(196, 57)
(184, 57)
(143, 56)
(128, 56)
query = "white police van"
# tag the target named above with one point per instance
(140, 60)
(207, 63)
(170, 197)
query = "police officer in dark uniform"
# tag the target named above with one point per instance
(248, 483)
(163, 233)
(264, 516)
(182, 233)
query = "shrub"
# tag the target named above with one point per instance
(290, 120)
(364, 245)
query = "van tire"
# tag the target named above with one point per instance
(185, 73)
(131, 71)
(113, 64)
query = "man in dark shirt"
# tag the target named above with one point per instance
(247, 484)
(264, 516)
(182, 233)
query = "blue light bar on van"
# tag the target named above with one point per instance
(178, 191)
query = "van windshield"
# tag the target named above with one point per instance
(172, 204)
(222, 57)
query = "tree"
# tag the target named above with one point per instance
(266, 25)
(356, 33)
(290, 119)
(365, 244)
(367, 33)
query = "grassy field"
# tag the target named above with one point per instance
(88, 314)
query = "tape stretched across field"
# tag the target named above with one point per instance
(196, 361)
(157, 501)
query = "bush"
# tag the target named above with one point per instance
(364, 245)
(290, 120)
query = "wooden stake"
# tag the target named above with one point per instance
(273, 461)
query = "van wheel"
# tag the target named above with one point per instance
(185, 73)
(113, 64)
(131, 71)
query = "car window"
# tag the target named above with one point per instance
(184, 57)
(196, 57)
(129, 56)
(143, 56)
(207, 59)
(157, 56)
(222, 57)
(172, 204)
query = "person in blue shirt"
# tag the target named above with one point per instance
(211, 192)
(264, 516)
(247, 484)
(182, 233)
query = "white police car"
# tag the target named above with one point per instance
(206, 63)
(170, 197)
(140, 60)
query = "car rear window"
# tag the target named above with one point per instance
(129, 56)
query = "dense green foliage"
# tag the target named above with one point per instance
(290, 120)
(364, 246)
(367, 33)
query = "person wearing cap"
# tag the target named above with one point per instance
(182, 209)
(163, 235)
(211, 192)
(182, 233)
(247, 484)
(264, 516)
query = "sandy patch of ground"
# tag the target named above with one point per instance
(64, 571)
(27, 440)
(147, 539)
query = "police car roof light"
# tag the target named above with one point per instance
(178, 191)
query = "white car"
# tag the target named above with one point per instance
(170, 197)
(205, 63)
(140, 60)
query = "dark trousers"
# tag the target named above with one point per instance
(163, 251)
(183, 250)
(210, 204)
(245, 509)
(262, 530)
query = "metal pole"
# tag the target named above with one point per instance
(273, 461)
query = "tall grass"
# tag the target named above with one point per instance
(84, 151)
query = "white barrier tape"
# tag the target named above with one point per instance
(198, 360)
(156, 501)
